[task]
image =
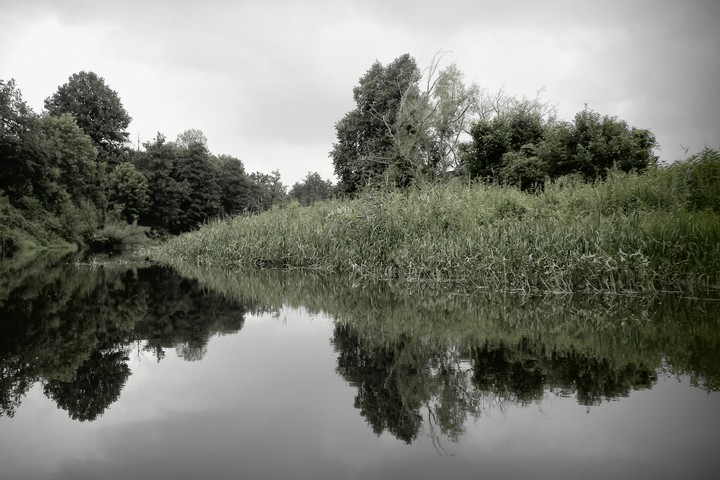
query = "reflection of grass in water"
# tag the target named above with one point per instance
(424, 359)
(622, 331)
(639, 233)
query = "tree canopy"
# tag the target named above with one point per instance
(400, 132)
(68, 175)
(96, 107)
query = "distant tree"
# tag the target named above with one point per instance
(190, 137)
(128, 192)
(166, 193)
(312, 189)
(268, 190)
(194, 167)
(97, 109)
(236, 188)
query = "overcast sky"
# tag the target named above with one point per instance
(267, 80)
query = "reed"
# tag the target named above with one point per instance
(629, 233)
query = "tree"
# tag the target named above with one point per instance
(193, 166)
(368, 137)
(235, 186)
(166, 192)
(312, 189)
(128, 192)
(71, 156)
(20, 146)
(190, 137)
(593, 144)
(267, 189)
(512, 131)
(97, 109)
(453, 106)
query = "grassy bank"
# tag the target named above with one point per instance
(630, 233)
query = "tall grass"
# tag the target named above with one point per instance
(629, 233)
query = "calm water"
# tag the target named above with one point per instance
(115, 369)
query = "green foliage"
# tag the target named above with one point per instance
(236, 187)
(698, 180)
(592, 145)
(451, 108)
(520, 147)
(267, 191)
(117, 233)
(96, 107)
(128, 192)
(27, 228)
(187, 186)
(312, 189)
(21, 146)
(49, 177)
(572, 237)
(367, 137)
(190, 137)
(166, 192)
(67, 173)
(193, 166)
(70, 161)
(510, 132)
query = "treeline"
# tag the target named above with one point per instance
(69, 175)
(403, 130)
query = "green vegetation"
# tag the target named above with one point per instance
(402, 134)
(436, 174)
(69, 177)
(628, 233)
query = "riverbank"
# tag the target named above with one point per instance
(659, 231)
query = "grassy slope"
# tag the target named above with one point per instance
(630, 233)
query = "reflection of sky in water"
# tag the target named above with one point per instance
(268, 402)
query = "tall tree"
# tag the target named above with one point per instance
(71, 156)
(368, 137)
(166, 192)
(235, 185)
(97, 109)
(453, 107)
(194, 166)
(20, 145)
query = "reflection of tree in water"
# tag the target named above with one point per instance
(95, 386)
(522, 373)
(377, 374)
(70, 328)
(408, 382)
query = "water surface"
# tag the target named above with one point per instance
(118, 369)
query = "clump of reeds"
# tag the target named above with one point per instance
(629, 233)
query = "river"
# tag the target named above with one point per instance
(112, 367)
